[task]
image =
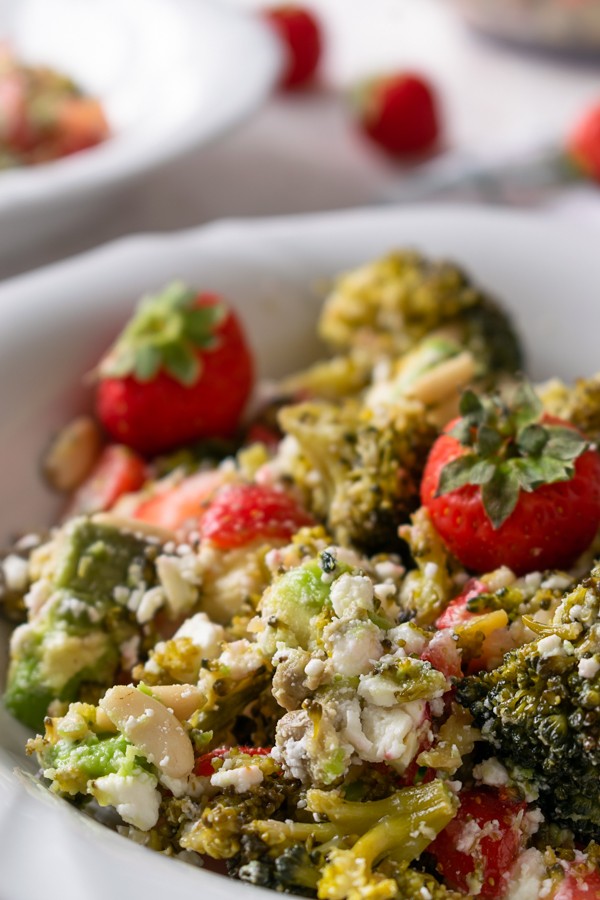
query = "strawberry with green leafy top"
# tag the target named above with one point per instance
(507, 485)
(181, 370)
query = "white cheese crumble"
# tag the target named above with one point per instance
(349, 592)
(241, 658)
(150, 602)
(203, 633)
(589, 667)
(551, 646)
(134, 797)
(241, 779)
(353, 646)
(16, 572)
(492, 772)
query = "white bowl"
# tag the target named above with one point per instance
(54, 323)
(172, 75)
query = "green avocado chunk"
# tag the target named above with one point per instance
(72, 645)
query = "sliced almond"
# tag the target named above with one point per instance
(183, 699)
(150, 727)
(444, 379)
(71, 456)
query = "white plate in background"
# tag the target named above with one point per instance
(171, 74)
(55, 322)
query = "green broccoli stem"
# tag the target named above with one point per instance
(404, 835)
(279, 834)
(356, 817)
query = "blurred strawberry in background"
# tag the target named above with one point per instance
(300, 34)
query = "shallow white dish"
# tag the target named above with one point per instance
(54, 322)
(171, 74)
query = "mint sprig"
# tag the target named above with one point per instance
(166, 333)
(510, 448)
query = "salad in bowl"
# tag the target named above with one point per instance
(335, 634)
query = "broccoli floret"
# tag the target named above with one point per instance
(541, 710)
(399, 829)
(579, 404)
(360, 471)
(387, 306)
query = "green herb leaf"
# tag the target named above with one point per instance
(500, 495)
(464, 432)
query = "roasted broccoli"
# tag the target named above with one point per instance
(579, 404)
(387, 306)
(540, 710)
(360, 470)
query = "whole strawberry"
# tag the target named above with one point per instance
(299, 33)
(510, 486)
(583, 144)
(181, 370)
(399, 112)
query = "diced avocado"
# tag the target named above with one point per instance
(52, 665)
(293, 600)
(74, 640)
(97, 558)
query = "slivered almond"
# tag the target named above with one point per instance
(150, 727)
(183, 699)
(72, 454)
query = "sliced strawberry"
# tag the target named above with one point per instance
(443, 654)
(481, 843)
(181, 506)
(456, 613)
(118, 471)
(578, 885)
(243, 513)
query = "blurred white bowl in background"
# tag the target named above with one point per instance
(171, 74)
(552, 24)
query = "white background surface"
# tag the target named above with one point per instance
(301, 153)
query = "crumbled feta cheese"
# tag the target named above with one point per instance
(589, 667)
(384, 591)
(492, 772)
(407, 636)
(150, 602)
(551, 646)
(557, 582)
(241, 658)
(133, 796)
(528, 878)
(349, 592)
(16, 572)
(314, 668)
(353, 647)
(241, 779)
(393, 733)
(499, 578)
(203, 633)
(388, 569)
(430, 570)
